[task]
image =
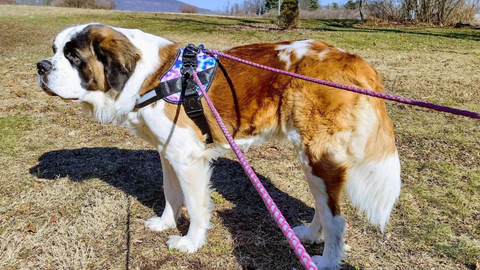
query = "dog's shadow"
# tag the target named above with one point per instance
(258, 241)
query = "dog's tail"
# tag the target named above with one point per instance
(374, 187)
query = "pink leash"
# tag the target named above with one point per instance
(293, 240)
(295, 243)
(432, 106)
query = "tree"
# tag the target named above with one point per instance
(360, 7)
(335, 5)
(186, 8)
(351, 5)
(101, 4)
(439, 12)
(308, 4)
(271, 4)
(314, 5)
(289, 14)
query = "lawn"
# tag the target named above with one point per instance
(74, 194)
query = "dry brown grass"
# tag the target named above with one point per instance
(74, 194)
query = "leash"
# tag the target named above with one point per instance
(423, 104)
(293, 240)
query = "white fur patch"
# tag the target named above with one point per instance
(244, 144)
(299, 48)
(374, 187)
(160, 224)
(100, 105)
(322, 54)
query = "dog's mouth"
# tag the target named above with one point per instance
(52, 94)
(48, 91)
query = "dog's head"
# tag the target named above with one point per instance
(89, 57)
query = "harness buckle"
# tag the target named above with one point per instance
(191, 99)
(189, 59)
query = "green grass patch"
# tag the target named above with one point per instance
(12, 129)
(461, 250)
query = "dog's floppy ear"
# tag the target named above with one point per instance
(117, 54)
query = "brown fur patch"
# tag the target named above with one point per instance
(117, 54)
(93, 70)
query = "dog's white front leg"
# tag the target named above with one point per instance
(173, 199)
(194, 179)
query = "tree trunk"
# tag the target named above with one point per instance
(360, 6)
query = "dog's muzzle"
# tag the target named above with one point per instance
(44, 67)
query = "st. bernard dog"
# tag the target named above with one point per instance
(345, 141)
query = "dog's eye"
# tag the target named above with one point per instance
(73, 58)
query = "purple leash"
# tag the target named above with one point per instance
(293, 240)
(354, 89)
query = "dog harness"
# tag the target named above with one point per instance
(177, 86)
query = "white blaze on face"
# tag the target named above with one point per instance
(64, 79)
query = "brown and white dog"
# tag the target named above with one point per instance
(345, 141)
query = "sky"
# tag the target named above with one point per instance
(211, 4)
(221, 4)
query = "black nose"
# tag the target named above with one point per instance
(44, 67)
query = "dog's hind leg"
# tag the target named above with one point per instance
(326, 180)
(312, 233)
(173, 199)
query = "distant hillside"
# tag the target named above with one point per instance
(154, 6)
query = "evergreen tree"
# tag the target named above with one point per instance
(271, 4)
(351, 5)
(314, 5)
(289, 14)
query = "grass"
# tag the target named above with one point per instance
(74, 194)
(12, 129)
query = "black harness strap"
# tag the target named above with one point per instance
(192, 102)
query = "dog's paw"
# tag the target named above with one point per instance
(305, 237)
(159, 224)
(183, 243)
(323, 263)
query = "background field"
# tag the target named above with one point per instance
(74, 194)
